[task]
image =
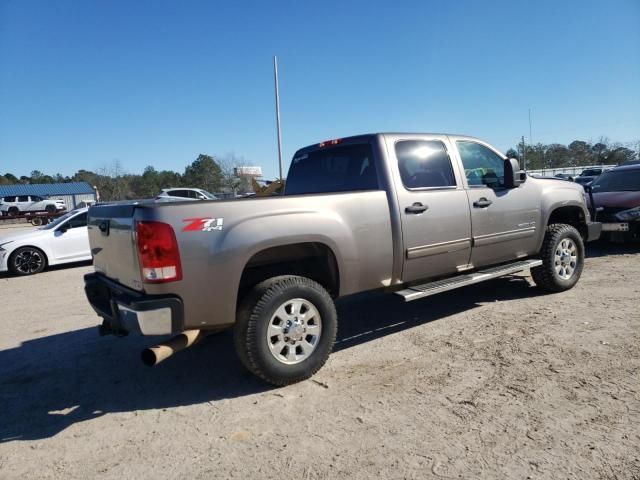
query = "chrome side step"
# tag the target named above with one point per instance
(420, 291)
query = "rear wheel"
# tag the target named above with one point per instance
(13, 211)
(27, 261)
(285, 329)
(50, 209)
(562, 255)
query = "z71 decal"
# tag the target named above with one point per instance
(203, 224)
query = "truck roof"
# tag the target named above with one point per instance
(366, 136)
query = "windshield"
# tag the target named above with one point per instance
(59, 220)
(617, 181)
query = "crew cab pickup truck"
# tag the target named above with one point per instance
(414, 214)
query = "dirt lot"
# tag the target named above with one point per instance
(492, 381)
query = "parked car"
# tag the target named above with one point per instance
(587, 176)
(16, 204)
(62, 241)
(591, 172)
(178, 194)
(415, 214)
(631, 162)
(584, 180)
(564, 176)
(616, 196)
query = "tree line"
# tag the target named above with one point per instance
(578, 153)
(114, 183)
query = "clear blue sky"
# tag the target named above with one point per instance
(83, 83)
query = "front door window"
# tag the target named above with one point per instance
(482, 166)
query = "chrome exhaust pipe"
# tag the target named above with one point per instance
(154, 355)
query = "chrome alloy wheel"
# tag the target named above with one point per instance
(566, 258)
(294, 331)
(28, 261)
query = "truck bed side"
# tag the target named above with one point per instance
(219, 239)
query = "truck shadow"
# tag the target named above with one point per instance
(603, 248)
(50, 383)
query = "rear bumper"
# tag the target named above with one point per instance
(594, 229)
(128, 311)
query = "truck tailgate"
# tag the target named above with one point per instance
(113, 244)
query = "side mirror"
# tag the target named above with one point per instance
(513, 176)
(63, 228)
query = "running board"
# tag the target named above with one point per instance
(421, 291)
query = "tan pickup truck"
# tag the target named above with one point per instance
(413, 214)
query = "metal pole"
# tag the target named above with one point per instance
(530, 136)
(275, 76)
(524, 158)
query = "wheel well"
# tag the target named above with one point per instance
(312, 260)
(570, 215)
(44, 254)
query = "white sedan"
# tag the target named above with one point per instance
(63, 241)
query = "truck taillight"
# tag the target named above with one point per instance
(158, 252)
(328, 143)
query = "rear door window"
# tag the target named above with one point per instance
(424, 164)
(179, 193)
(78, 221)
(334, 169)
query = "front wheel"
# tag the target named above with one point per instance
(285, 329)
(562, 257)
(27, 261)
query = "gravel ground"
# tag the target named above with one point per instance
(491, 381)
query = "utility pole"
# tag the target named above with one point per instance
(275, 78)
(524, 158)
(530, 136)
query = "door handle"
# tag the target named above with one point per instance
(482, 203)
(416, 208)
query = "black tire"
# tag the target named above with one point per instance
(255, 316)
(547, 276)
(36, 222)
(27, 261)
(50, 209)
(13, 211)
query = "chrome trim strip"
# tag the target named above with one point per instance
(438, 248)
(482, 240)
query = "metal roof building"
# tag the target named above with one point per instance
(72, 193)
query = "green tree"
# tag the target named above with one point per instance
(621, 155)
(580, 153)
(557, 155)
(12, 178)
(203, 173)
(600, 152)
(145, 185)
